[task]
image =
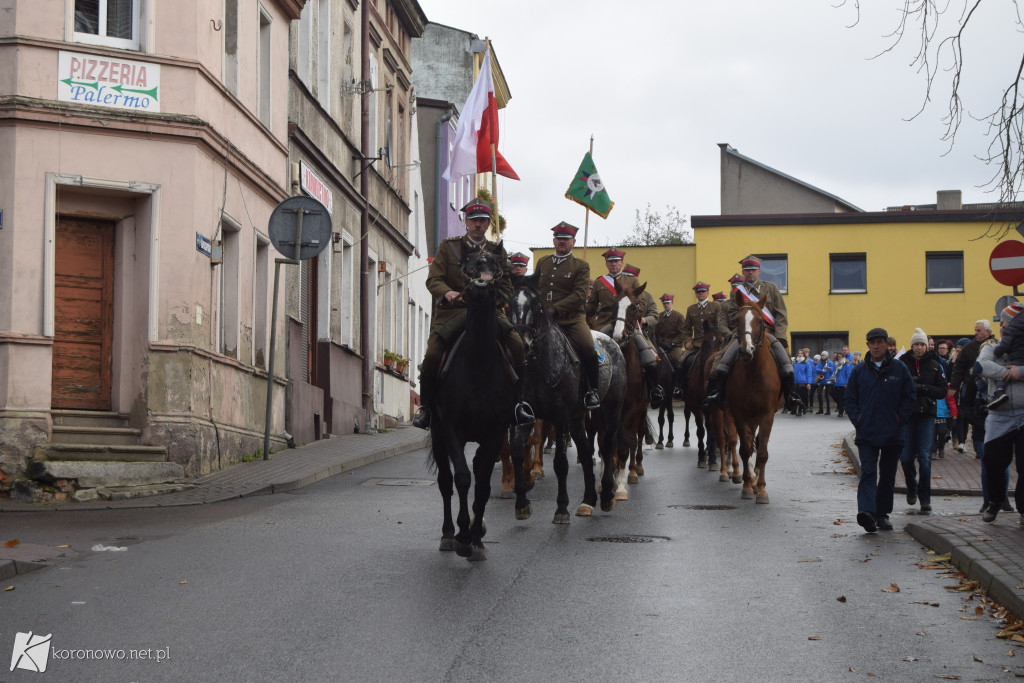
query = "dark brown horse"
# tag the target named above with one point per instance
(694, 389)
(752, 395)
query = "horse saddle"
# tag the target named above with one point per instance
(454, 349)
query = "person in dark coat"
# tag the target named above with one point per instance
(879, 401)
(919, 432)
(960, 387)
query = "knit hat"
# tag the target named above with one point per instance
(817, 356)
(919, 337)
(962, 341)
(1010, 312)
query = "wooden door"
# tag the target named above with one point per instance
(83, 314)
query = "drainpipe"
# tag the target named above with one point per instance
(440, 165)
(364, 224)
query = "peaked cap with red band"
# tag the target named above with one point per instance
(478, 208)
(735, 279)
(631, 270)
(667, 297)
(751, 262)
(613, 255)
(518, 259)
(563, 229)
(701, 287)
(718, 296)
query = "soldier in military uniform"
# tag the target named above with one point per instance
(704, 310)
(446, 282)
(517, 268)
(719, 297)
(563, 282)
(650, 319)
(602, 309)
(729, 309)
(670, 331)
(754, 288)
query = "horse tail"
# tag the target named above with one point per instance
(428, 443)
(649, 428)
(624, 440)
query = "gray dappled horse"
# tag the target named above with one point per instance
(554, 388)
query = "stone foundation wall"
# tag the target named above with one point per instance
(20, 433)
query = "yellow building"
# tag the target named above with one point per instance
(844, 273)
(665, 269)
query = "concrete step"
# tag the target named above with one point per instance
(120, 436)
(97, 474)
(101, 452)
(129, 492)
(88, 418)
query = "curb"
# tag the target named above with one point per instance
(12, 568)
(999, 585)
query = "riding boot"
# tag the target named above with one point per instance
(657, 395)
(524, 412)
(792, 397)
(422, 419)
(716, 390)
(591, 399)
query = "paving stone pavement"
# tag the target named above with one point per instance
(992, 554)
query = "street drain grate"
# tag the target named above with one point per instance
(398, 482)
(703, 507)
(629, 539)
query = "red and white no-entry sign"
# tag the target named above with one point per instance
(1007, 263)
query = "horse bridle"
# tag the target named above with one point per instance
(761, 334)
(627, 329)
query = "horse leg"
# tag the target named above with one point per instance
(483, 465)
(686, 429)
(712, 442)
(762, 458)
(561, 467)
(746, 450)
(608, 438)
(639, 464)
(445, 484)
(633, 477)
(537, 450)
(586, 450)
(671, 419)
(507, 475)
(661, 426)
(702, 453)
(463, 479)
(520, 435)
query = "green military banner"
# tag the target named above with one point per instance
(587, 189)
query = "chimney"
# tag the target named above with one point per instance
(949, 200)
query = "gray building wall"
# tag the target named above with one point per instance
(441, 59)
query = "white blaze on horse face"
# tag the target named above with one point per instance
(748, 326)
(620, 319)
(521, 302)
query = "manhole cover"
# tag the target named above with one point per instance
(398, 482)
(629, 539)
(703, 507)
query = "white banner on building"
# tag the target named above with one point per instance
(315, 187)
(107, 82)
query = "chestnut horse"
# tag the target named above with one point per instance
(753, 392)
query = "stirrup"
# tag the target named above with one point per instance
(524, 414)
(591, 401)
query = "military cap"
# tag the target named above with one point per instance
(478, 208)
(701, 287)
(667, 297)
(751, 262)
(613, 255)
(563, 229)
(519, 259)
(630, 269)
(736, 279)
(718, 296)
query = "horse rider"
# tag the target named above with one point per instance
(446, 282)
(670, 331)
(517, 267)
(753, 288)
(650, 319)
(704, 310)
(727, 319)
(602, 309)
(563, 282)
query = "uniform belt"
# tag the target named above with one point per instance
(554, 296)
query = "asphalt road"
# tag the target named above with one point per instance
(343, 581)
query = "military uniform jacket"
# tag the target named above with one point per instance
(774, 303)
(651, 315)
(563, 287)
(445, 274)
(602, 306)
(693, 322)
(670, 328)
(727, 315)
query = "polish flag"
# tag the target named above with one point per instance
(477, 130)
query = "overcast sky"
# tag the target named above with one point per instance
(790, 84)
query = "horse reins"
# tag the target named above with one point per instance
(760, 336)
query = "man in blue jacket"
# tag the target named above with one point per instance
(879, 400)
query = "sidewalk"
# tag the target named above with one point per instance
(992, 554)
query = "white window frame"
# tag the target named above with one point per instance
(852, 257)
(945, 255)
(133, 43)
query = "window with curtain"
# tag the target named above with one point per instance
(775, 269)
(108, 22)
(945, 271)
(848, 273)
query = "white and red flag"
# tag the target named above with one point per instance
(477, 131)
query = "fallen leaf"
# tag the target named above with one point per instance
(8, 588)
(977, 659)
(11, 543)
(872, 675)
(948, 677)
(908, 659)
(814, 638)
(806, 559)
(969, 618)
(893, 588)
(979, 610)
(1011, 653)
(969, 586)
(841, 598)
(838, 522)
(938, 558)
(921, 633)
(1017, 638)
(63, 546)
(182, 582)
(853, 670)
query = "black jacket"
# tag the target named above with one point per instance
(880, 401)
(929, 381)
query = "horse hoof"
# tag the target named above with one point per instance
(621, 495)
(639, 470)
(447, 544)
(747, 495)
(762, 498)
(561, 518)
(632, 479)
(477, 555)
(702, 463)
(524, 512)
(723, 477)
(463, 549)
(737, 480)
(507, 493)
(538, 474)
(607, 505)
(686, 443)
(584, 510)
(659, 446)
(668, 444)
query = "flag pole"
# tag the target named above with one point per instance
(494, 189)
(586, 219)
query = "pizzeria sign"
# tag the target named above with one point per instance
(107, 82)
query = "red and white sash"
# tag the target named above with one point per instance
(765, 313)
(609, 282)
